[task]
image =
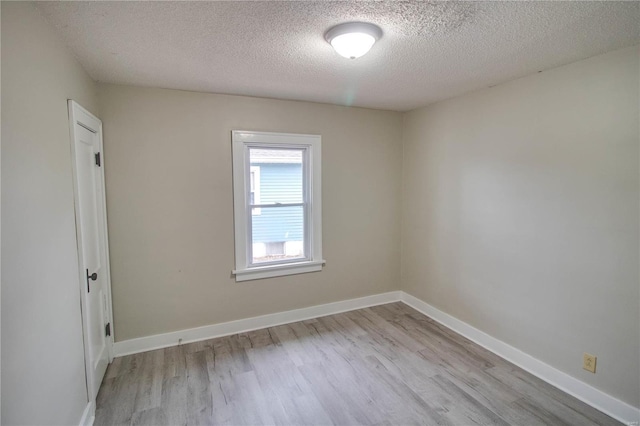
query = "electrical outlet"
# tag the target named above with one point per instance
(589, 362)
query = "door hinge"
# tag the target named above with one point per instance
(98, 159)
(107, 329)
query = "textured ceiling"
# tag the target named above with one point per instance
(429, 51)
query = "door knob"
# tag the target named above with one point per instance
(91, 277)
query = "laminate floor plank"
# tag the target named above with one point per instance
(174, 400)
(337, 399)
(199, 398)
(174, 362)
(567, 400)
(494, 395)
(292, 346)
(149, 391)
(306, 410)
(113, 368)
(384, 365)
(285, 390)
(409, 367)
(466, 409)
(414, 319)
(538, 393)
(404, 399)
(250, 407)
(152, 417)
(120, 392)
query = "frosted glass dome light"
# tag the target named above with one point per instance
(353, 39)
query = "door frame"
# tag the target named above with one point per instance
(79, 115)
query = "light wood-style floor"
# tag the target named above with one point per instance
(386, 365)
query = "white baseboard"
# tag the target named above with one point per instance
(89, 414)
(601, 401)
(158, 341)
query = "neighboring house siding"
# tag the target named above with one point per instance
(279, 183)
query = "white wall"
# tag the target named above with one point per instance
(170, 206)
(43, 376)
(520, 215)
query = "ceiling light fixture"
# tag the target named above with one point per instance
(353, 39)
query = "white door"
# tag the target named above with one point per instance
(86, 135)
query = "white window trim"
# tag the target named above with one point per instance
(256, 189)
(241, 141)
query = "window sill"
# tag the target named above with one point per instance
(260, 272)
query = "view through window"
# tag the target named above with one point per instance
(278, 217)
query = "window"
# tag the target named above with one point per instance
(277, 204)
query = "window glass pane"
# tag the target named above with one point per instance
(278, 234)
(279, 180)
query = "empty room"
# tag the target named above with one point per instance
(320, 213)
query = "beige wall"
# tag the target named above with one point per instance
(43, 376)
(520, 215)
(170, 211)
